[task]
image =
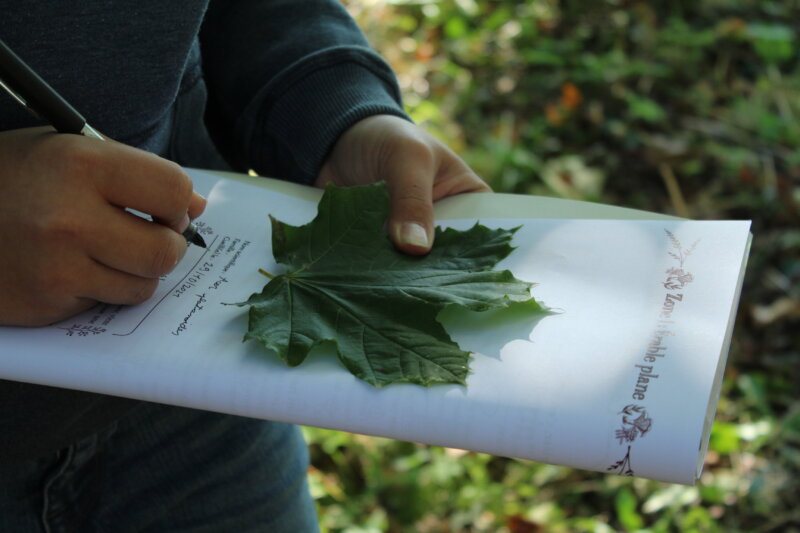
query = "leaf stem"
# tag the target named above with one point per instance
(264, 272)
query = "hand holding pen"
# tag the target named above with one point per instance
(66, 239)
(32, 92)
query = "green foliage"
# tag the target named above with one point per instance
(686, 107)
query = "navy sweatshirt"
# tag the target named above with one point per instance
(266, 85)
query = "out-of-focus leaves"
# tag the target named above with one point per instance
(642, 108)
(626, 506)
(724, 437)
(709, 90)
(773, 42)
(670, 496)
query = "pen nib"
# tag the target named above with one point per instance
(192, 236)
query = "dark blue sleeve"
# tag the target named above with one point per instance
(285, 79)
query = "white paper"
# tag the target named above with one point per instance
(577, 388)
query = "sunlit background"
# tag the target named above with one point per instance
(683, 107)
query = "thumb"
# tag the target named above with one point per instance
(410, 185)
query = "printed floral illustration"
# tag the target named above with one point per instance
(623, 466)
(677, 279)
(679, 252)
(203, 228)
(635, 423)
(83, 330)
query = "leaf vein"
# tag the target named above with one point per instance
(342, 305)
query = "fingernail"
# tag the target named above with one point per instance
(184, 223)
(414, 234)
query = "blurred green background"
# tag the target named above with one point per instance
(683, 107)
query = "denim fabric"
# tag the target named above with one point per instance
(166, 469)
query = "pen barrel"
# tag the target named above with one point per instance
(38, 96)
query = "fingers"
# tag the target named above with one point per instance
(133, 245)
(457, 178)
(424, 171)
(128, 177)
(62, 200)
(197, 204)
(125, 177)
(115, 287)
(58, 292)
(88, 282)
(417, 168)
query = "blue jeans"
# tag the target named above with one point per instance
(166, 469)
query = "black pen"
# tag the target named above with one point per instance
(35, 94)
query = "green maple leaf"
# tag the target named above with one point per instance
(345, 282)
